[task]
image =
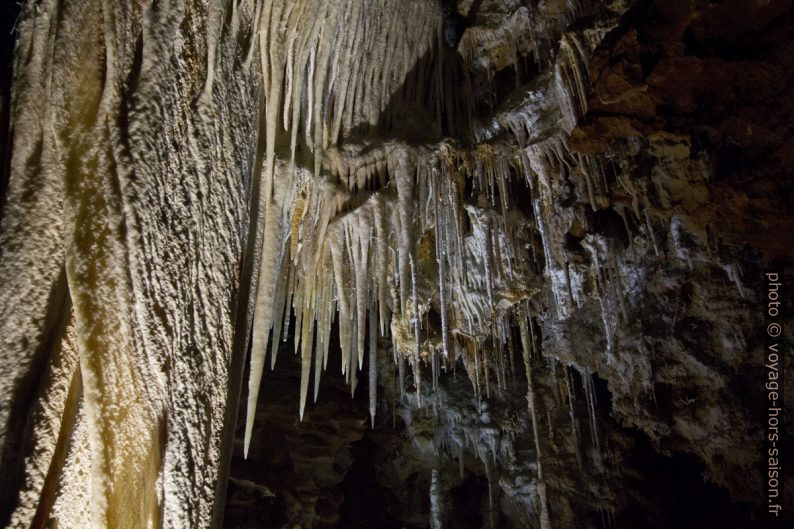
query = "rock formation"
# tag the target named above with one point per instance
(414, 263)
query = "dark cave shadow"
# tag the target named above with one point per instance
(670, 491)
(9, 13)
(17, 445)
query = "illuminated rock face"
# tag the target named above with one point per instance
(514, 223)
(125, 217)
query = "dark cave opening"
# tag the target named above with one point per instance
(9, 13)
(466, 503)
(671, 491)
(365, 500)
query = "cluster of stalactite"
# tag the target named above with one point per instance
(340, 219)
(421, 244)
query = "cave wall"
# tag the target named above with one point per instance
(124, 237)
(531, 234)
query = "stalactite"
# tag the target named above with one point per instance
(572, 413)
(373, 366)
(587, 383)
(436, 501)
(545, 521)
(441, 259)
(338, 219)
(268, 275)
(297, 41)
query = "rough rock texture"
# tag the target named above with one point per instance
(125, 213)
(531, 234)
